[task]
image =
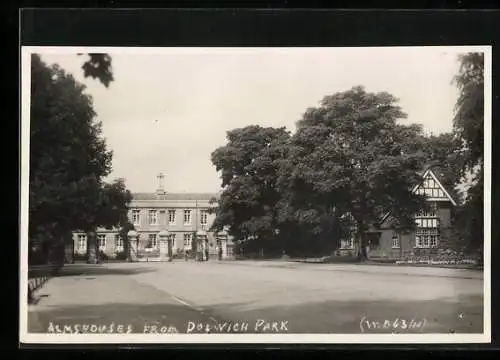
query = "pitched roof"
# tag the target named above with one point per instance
(174, 196)
(428, 171)
(433, 175)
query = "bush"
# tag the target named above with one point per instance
(122, 255)
(80, 257)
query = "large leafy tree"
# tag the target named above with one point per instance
(468, 124)
(349, 156)
(68, 160)
(249, 163)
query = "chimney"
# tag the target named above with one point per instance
(161, 187)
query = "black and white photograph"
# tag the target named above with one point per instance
(255, 195)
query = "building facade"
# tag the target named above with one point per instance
(184, 215)
(433, 232)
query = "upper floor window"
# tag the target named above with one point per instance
(428, 213)
(136, 217)
(428, 218)
(204, 217)
(171, 216)
(187, 217)
(153, 217)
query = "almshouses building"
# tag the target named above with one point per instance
(185, 216)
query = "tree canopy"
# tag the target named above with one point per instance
(69, 159)
(350, 156)
(349, 160)
(249, 165)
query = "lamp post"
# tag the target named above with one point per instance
(133, 239)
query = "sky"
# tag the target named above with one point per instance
(169, 109)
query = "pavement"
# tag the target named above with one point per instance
(259, 297)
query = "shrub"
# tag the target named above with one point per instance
(80, 257)
(103, 255)
(122, 255)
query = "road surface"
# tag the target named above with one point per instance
(261, 297)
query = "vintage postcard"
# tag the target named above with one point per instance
(255, 195)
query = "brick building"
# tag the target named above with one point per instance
(433, 232)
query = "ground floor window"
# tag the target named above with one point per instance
(82, 242)
(118, 243)
(101, 240)
(396, 243)
(347, 243)
(188, 240)
(152, 241)
(426, 238)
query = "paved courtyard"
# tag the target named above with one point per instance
(267, 296)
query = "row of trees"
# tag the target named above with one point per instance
(69, 161)
(348, 163)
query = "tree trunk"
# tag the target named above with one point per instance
(92, 247)
(361, 246)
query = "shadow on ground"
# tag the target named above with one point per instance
(463, 315)
(90, 269)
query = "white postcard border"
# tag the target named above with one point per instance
(32, 338)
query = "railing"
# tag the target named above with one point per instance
(39, 275)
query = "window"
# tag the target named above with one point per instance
(430, 213)
(152, 241)
(427, 232)
(136, 217)
(204, 217)
(171, 237)
(153, 217)
(426, 238)
(347, 243)
(431, 188)
(187, 240)
(171, 216)
(187, 217)
(395, 240)
(82, 242)
(118, 242)
(101, 241)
